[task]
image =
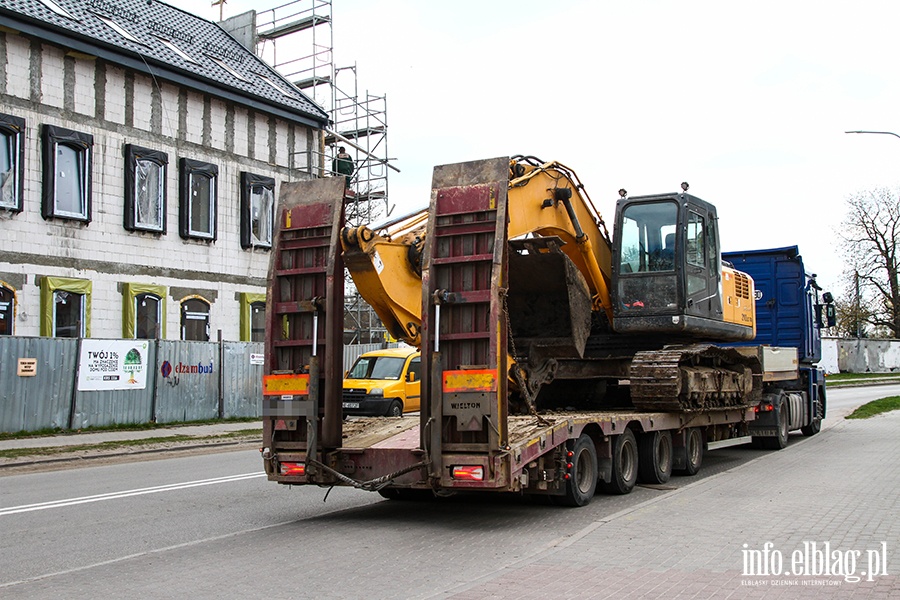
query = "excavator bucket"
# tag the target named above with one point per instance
(549, 304)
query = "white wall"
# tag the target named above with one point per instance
(103, 251)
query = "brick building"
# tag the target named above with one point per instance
(141, 151)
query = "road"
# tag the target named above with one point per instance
(211, 526)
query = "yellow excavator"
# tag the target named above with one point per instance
(584, 311)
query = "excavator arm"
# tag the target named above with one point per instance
(546, 202)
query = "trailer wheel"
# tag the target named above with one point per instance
(582, 481)
(693, 451)
(395, 409)
(816, 424)
(624, 464)
(655, 452)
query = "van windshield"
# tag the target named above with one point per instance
(377, 367)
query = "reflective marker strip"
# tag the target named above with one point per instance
(125, 494)
(482, 380)
(278, 385)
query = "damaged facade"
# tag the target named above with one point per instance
(142, 152)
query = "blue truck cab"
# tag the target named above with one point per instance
(790, 313)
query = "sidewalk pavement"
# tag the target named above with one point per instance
(826, 506)
(78, 439)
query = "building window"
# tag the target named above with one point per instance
(67, 173)
(68, 314)
(7, 309)
(257, 210)
(195, 319)
(145, 189)
(65, 307)
(198, 199)
(143, 311)
(253, 317)
(148, 316)
(12, 162)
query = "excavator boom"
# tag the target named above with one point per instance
(546, 201)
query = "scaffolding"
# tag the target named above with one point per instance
(297, 39)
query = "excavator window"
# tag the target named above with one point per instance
(648, 237)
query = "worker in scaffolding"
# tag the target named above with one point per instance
(343, 165)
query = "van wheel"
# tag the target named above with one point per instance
(582, 481)
(655, 452)
(624, 464)
(395, 409)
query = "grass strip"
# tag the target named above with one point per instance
(876, 407)
(838, 378)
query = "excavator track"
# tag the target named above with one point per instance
(694, 378)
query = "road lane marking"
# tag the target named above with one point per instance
(13, 510)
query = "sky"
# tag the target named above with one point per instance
(748, 102)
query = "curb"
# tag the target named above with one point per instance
(176, 448)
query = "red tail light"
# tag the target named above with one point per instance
(293, 469)
(468, 473)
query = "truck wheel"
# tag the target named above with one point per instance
(655, 453)
(624, 464)
(395, 409)
(816, 424)
(582, 482)
(779, 441)
(693, 452)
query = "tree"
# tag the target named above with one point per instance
(852, 310)
(871, 241)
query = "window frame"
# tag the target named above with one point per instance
(189, 169)
(130, 294)
(49, 287)
(14, 127)
(82, 143)
(183, 313)
(5, 288)
(134, 154)
(247, 301)
(249, 181)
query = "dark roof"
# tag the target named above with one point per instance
(213, 62)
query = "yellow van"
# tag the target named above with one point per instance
(384, 382)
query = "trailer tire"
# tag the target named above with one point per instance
(582, 481)
(395, 409)
(815, 426)
(693, 452)
(655, 457)
(624, 464)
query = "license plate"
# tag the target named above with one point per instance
(351, 404)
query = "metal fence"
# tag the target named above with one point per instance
(185, 381)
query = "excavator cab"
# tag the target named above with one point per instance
(667, 270)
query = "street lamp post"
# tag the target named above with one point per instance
(879, 132)
(856, 273)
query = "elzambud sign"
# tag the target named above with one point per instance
(112, 365)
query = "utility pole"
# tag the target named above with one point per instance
(858, 315)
